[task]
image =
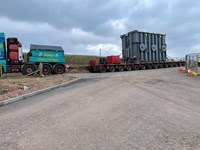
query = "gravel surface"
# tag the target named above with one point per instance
(147, 110)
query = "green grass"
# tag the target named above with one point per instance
(80, 60)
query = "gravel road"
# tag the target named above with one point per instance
(145, 110)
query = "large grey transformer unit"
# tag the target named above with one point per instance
(143, 47)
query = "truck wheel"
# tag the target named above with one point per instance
(28, 69)
(59, 69)
(112, 69)
(46, 69)
(121, 68)
(128, 68)
(102, 69)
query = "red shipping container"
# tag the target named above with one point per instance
(92, 62)
(113, 59)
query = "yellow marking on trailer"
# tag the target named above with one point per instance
(48, 55)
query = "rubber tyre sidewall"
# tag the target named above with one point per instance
(128, 68)
(102, 69)
(49, 69)
(112, 69)
(26, 67)
(55, 70)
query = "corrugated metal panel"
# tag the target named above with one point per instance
(143, 46)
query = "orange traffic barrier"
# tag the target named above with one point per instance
(189, 72)
(181, 69)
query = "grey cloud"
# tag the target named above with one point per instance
(102, 22)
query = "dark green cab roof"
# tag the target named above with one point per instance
(46, 47)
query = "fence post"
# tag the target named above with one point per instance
(1, 71)
(41, 69)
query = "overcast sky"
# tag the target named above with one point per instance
(85, 26)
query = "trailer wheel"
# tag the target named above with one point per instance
(128, 68)
(136, 67)
(155, 66)
(161, 66)
(28, 69)
(91, 70)
(46, 69)
(103, 69)
(175, 65)
(59, 69)
(112, 69)
(121, 68)
(143, 67)
(149, 66)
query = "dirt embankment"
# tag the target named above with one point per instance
(13, 85)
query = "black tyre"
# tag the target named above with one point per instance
(28, 69)
(136, 67)
(166, 65)
(59, 69)
(175, 65)
(91, 70)
(161, 66)
(155, 66)
(112, 69)
(46, 69)
(103, 69)
(128, 68)
(121, 68)
(143, 67)
(149, 66)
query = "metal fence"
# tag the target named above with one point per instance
(193, 62)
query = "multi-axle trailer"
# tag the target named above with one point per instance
(140, 50)
(125, 66)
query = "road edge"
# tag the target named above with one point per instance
(25, 96)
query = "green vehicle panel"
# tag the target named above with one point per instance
(42, 53)
(3, 63)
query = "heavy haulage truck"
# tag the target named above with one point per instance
(140, 50)
(12, 61)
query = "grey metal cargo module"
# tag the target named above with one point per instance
(143, 47)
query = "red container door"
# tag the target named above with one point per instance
(113, 59)
(92, 62)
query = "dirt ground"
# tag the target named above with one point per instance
(156, 109)
(13, 85)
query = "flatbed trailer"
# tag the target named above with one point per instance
(132, 66)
